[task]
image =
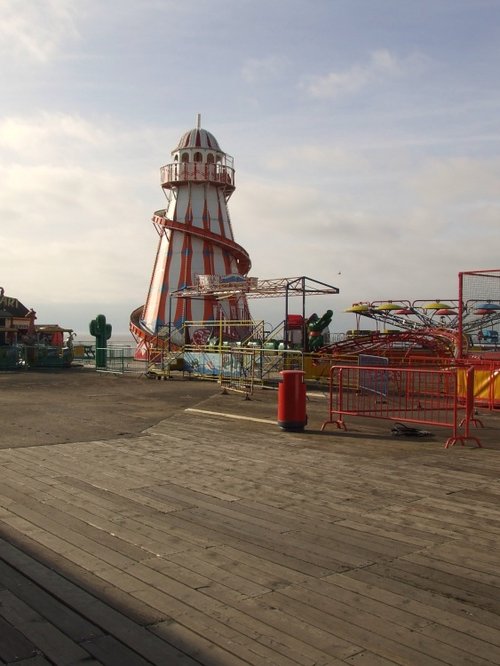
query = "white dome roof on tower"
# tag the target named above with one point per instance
(198, 138)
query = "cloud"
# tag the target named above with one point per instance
(37, 31)
(315, 156)
(258, 70)
(61, 139)
(78, 194)
(75, 216)
(458, 180)
(55, 136)
(390, 238)
(382, 66)
(70, 232)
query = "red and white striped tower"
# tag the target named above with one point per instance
(196, 238)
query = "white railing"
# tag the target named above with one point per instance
(182, 171)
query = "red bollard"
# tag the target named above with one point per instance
(292, 400)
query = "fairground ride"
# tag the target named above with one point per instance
(439, 327)
(199, 283)
(293, 328)
(195, 238)
(24, 344)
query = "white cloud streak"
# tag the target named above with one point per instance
(72, 214)
(258, 70)
(457, 181)
(382, 66)
(37, 31)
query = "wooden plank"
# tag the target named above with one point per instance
(170, 606)
(440, 583)
(262, 549)
(94, 500)
(369, 528)
(107, 547)
(14, 646)
(464, 568)
(207, 597)
(397, 517)
(248, 528)
(319, 558)
(459, 507)
(467, 556)
(468, 623)
(404, 617)
(226, 637)
(461, 525)
(295, 640)
(443, 604)
(108, 619)
(207, 648)
(340, 530)
(455, 576)
(111, 652)
(384, 638)
(208, 571)
(41, 661)
(333, 535)
(471, 649)
(344, 600)
(253, 566)
(48, 639)
(115, 597)
(131, 530)
(214, 625)
(72, 624)
(123, 502)
(144, 518)
(482, 496)
(367, 658)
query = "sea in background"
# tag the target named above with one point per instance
(118, 340)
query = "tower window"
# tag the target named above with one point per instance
(198, 157)
(185, 157)
(210, 158)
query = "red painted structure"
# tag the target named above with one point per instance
(195, 241)
(412, 395)
(292, 400)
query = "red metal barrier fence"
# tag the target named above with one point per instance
(486, 376)
(486, 382)
(424, 396)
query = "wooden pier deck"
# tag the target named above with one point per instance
(214, 540)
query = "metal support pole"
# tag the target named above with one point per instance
(170, 323)
(304, 332)
(285, 328)
(460, 350)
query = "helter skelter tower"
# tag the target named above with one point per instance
(195, 239)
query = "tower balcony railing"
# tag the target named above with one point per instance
(181, 172)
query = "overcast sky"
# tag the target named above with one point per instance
(365, 135)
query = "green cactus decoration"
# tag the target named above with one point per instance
(101, 332)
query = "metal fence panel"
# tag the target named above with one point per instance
(120, 360)
(235, 368)
(429, 397)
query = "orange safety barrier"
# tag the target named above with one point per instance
(486, 376)
(486, 383)
(414, 395)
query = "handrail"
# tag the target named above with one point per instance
(178, 172)
(240, 254)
